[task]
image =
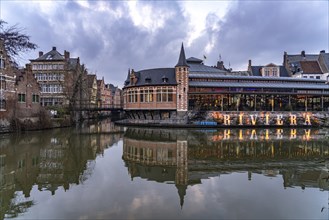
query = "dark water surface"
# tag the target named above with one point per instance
(102, 171)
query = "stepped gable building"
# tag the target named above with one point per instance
(166, 95)
(27, 94)
(57, 75)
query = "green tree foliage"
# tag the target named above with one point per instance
(15, 41)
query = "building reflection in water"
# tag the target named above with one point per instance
(185, 157)
(49, 160)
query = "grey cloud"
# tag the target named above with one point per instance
(262, 31)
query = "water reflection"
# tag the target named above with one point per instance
(49, 160)
(175, 173)
(185, 157)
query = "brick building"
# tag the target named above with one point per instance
(19, 92)
(103, 94)
(57, 75)
(27, 93)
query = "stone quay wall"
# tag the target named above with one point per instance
(234, 119)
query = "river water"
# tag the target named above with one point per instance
(102, 171)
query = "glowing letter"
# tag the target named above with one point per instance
(279, 120)
(241, 119)
(267, 116)
(253, 119)
(307, 120)
(226, 119)
(293, 120)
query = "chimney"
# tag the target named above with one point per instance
(54, 48)
(303, 53)
(66, 54)
(249, 63)
(40, 53)
(220, 65)
(28, 67)
(285, 58)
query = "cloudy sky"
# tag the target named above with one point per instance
(112, 36)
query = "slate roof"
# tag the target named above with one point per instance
(257, 78)
(299, 57)
(197, 66)
(258, 82)
(194, 60)
(156, 76)
(255, 70)
(51, 55)
(283, 85)
(182, 58)
(73, 62)
(325, 57)
(112, 88)
(90, 79)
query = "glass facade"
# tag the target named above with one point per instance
(258, 102)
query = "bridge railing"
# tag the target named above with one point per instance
(97, 107)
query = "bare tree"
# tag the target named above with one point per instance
(15, 41)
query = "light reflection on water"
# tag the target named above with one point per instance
(109, 172)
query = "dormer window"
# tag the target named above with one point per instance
(164, 79)
(148, 80)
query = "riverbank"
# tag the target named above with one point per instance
(216, 119)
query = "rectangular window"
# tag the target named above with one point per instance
(141, 96)
(35, 98)
(21, 97)
(158, 95)
(170, 95)
(132, 96)
(2, 105)
(2, 63)
(3, 84)
(150, 96)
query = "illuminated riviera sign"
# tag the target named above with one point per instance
(264, 119)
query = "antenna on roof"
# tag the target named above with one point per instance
(220, 57)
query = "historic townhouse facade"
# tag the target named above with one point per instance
(19, 91)
(103, 94)
(57, 75)
(92, 90)
(28, 94)
(303, 65)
